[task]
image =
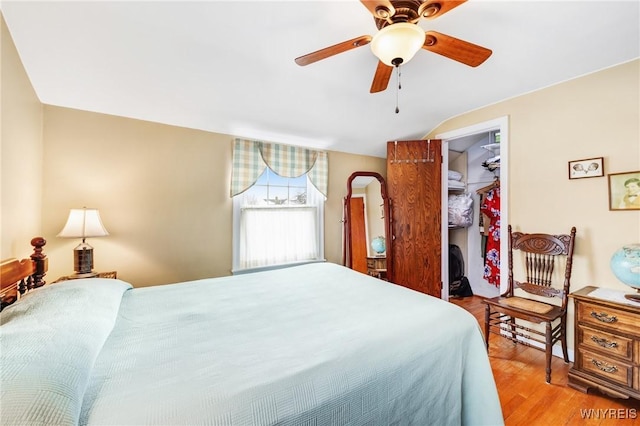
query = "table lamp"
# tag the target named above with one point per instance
(83, 223)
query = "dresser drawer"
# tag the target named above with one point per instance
(594, 314)
(376, 262)
(605, 367)
(610, 344)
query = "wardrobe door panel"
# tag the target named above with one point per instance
(414, 185)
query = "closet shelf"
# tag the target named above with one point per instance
(493, 147)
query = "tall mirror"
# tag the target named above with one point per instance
(367, 246)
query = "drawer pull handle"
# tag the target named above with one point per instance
(602, 366)
(602, 317)
(604, 342)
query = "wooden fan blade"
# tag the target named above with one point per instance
(333, 50)
(433, 9)
(382, 9)
(456, 49)
(381, 78)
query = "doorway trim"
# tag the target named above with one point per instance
(500, 124)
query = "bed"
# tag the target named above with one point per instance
(316, 344)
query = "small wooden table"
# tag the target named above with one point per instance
(110, 274)
(377, 266)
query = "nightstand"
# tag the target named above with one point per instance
(111, 274)
(607, 343)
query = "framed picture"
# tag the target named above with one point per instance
(624, 191)
(590, 167)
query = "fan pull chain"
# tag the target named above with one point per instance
(398, 75)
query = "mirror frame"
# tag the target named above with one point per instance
(386, 201)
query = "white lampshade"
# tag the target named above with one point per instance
(397, 41)
(83, 223)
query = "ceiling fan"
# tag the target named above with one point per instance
(400, 37)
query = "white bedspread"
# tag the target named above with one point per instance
(317, 344)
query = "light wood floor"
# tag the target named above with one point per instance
(525, 397)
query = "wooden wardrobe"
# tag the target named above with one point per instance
(414, 170)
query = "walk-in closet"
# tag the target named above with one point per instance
(474, 166)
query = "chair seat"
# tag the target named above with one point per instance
(526, 306)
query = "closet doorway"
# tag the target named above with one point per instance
(466, 149)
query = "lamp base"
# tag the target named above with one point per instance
(83, 261)
(85, 275)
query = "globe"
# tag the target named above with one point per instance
(378, 245)
(625, 264)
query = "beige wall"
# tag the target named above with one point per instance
(163, 195)
(597, 115)
(20, 153)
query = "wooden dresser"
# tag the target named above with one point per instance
(607, 344)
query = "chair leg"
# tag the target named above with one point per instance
(512, 330)
(487, 315)
(547, 350)
(563, 339)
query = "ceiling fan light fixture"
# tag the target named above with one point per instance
(383, 12)
(397, 43)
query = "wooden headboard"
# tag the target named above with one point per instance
(19, 276)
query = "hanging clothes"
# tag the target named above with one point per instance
(483, 220)
(491, 208)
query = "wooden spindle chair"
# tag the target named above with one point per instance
(541, 253)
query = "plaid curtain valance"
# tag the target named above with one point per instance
(250, 158)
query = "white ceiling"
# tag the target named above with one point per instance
(228, 66)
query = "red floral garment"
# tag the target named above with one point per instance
(491, 208)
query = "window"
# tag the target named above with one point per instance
(277, 221)
(278, 204)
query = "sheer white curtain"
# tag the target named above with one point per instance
(276, 235)
(267, 235)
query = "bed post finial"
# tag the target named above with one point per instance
(40, 262)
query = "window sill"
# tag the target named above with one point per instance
(273, 267)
